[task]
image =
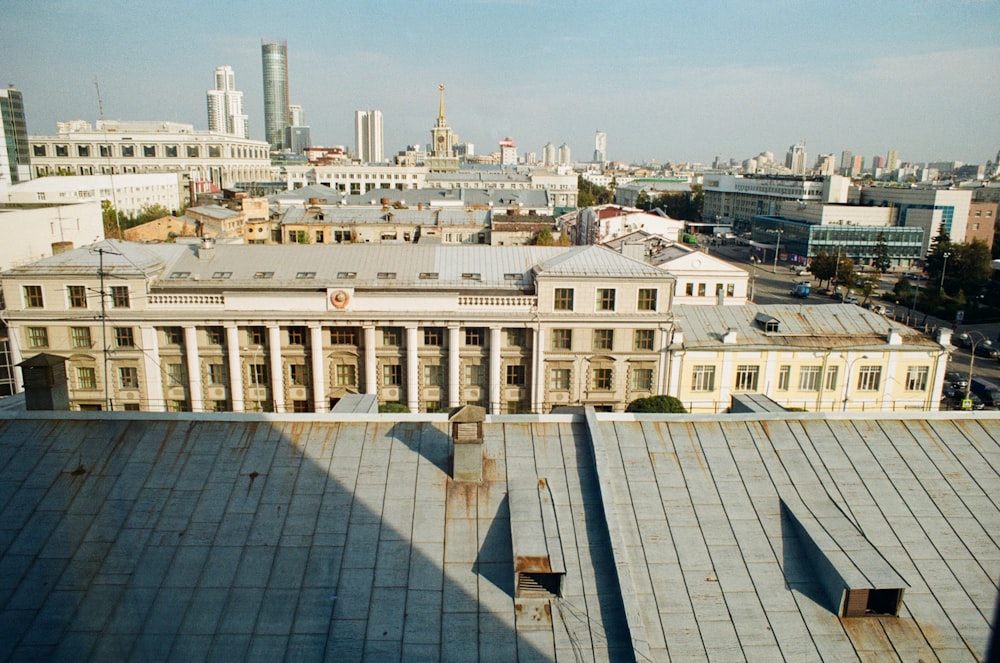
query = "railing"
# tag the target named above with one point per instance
(187, 300)
(498, 301)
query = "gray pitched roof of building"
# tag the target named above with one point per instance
(846, 325)
(232, 538)
(378, 216)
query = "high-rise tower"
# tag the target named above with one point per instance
(15, 164)
(274, 56)
(600, 147)
(368, 135)
(441, 136)
(795, 159)
(225, 105)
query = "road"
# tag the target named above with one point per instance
(772, 287)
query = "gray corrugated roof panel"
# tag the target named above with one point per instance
(117, 257)
(214, 211)
(597, 261)
(894, 499)
(798, 326)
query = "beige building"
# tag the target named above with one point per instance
(293, 328)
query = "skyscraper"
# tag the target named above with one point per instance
(15, 164)
(277, 116)
(600, 147)
(795, 159)
(891, 160)
(225, 105)
(368, 135)
(296, 115)
(441, 135)
(549, 154)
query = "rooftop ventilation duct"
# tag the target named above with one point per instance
(467, 443)
(539, 568)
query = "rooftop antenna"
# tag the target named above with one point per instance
(100, 102)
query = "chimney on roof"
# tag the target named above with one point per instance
(944, 336)
(207, 248)
(467, 443)
(729, 337)
(894, 337)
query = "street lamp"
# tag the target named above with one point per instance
(252, 373)
(753, 275)
(847, 379)
(944, 266)
(777, 247)
(975, 338)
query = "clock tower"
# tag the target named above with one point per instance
(441, 135)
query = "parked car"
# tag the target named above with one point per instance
(956, 379)
(987, 349)
(851, 299)
(962, 340)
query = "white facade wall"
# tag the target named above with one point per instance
(127, 193)
(31, 233)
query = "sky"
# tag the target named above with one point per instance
(667, 81)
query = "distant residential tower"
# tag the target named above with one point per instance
(15, 164)
(600, 147)
(225, 105)
(368, 135)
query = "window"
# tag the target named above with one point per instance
(831, 377)
(127, 150)
(193, 151)
(80, 337)
(644, 339)
(605, 299)
(170, 150)
(392, 336)
(647, 299)
(300, 406)
(216, 374)
(258, 373)
(214, 152)
(308, 275)
(428, 276)
(120, 296)
(916, 378)
(517, 337)
(296, 335)
(38, 337)
(746, 377)
(563, 300)
(105, 150)
(128, 377)
(701, 289)
(784, 377)
(215, 335)
(642, 379)
(703, 378)
(343, 337)
(392, 375)
(386, 275)
(297, 374)
(86, 377)
(604, 339)
(562, 339)
(809, 378)
(176, 406)
(257, 336)
(689, 289)
(474, 336)
(603, 379)
(346, 375)
(38, 150)
(62, 150)
(515, 375)
(433, 336)
(432, 375)
(173, 335)
(730, 289)
(869, 378)
(77, 296)
(222, 275)
(124, 337)
(33, 296)
(263, 275)
(559, 379)
(475, 376)
(175, 374)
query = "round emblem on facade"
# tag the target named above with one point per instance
(340, 299)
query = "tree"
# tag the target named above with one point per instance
(589, 195)
(868, 285)
(845, 271)
(643, 202)
(823, 266)
(112, 228)
(970, 267)
(544, 238)
(661, 404)
(882, 262)
(935, 261)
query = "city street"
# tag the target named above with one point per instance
(770, 287)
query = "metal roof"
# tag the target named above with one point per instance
(830, 325)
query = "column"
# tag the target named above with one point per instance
(318, 373)
(537, 369)
(496, 380)
(454, 367)
(277, 371)
(662, 363)
(13, 335)
(235, 367)
(371, 365)
(151, 370)
(412, 369)
(193, 369)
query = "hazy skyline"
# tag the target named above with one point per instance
(679, 82)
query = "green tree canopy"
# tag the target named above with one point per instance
(662, 404)
(589, 195)
(970, 267)
(393, 408)
(823, 266)
(882, 261)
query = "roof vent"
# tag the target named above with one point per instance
(467, 443)
(206, 250)
(539, 568)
